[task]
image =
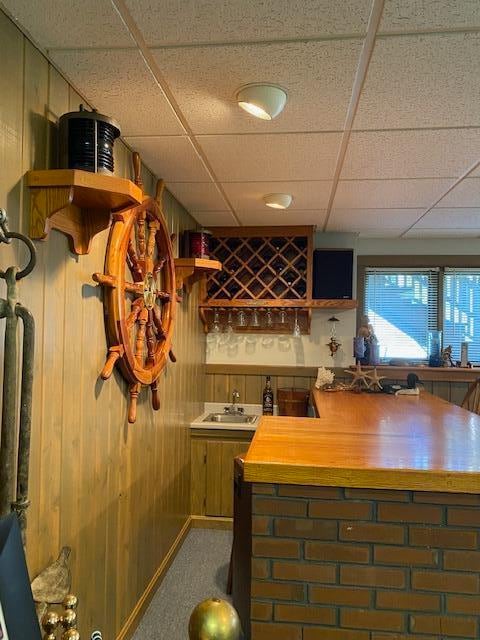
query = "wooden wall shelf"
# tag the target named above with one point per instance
(281, 304)
(190, 270)
(77, 203)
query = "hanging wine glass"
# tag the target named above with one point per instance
(241, 318)
(216, 328)
(269, 319)
(229, 325)
(282, 316)
(296, 327)
(255, 321)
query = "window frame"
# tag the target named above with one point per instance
(409, 261)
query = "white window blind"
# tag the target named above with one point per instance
(461, 311)
(402, 307)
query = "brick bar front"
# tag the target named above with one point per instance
(354, 564)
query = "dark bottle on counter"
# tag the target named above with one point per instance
(267, 404)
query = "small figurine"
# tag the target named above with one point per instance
(447, 360)
(333, 345)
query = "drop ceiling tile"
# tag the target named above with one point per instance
(246, 158)
(389, 194)
(215, 218)
(306, 195)
(70, 24)
(198, 196)
(461, 218)
(400, 16)
(465, 194)
(318, 77)
(246, 20)
(360, 220)
(422, 81)
(172, 158)
(119, 84)
(282, 218)
(445, 153)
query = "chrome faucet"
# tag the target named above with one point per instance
(233, 409)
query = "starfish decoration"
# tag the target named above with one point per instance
(360, 378)
(374, 380)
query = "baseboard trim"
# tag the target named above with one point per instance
(211, 522)
(133, 619)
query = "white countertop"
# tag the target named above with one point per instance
(218, 407)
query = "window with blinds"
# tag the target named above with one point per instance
(402, 305)
(461, 311)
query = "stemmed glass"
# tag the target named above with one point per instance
(229, 326)
(255, 321)
(296, 327)
(241, 318)
(269, 319)
(282, 316)
(216, 328)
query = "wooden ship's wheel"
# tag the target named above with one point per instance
(139, 295)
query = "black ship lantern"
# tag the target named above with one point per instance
(86, 141)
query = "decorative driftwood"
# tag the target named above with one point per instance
(54, 582)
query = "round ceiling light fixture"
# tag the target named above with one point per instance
(278, 200)
(265, 101)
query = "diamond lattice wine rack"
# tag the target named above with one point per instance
(265, 284)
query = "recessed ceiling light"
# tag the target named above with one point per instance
(265, 101)
(278, 200)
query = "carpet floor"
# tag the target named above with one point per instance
(198, 572)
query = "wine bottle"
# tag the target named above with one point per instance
(267, 404)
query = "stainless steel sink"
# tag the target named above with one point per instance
(230, 418)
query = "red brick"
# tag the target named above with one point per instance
(464, 517)
(261, 610)
(337, 552)
(264, 489)
(276, 590)
(304, 572)
(444, 581)
(372, 576)
(443, 538)
(305, 528)
(380, 620)
(305, 491)
(462, 560)
(340, 596)
(316, 633)
(274, 631)
(464, 604)
(394, 512)
(279, 507)
(455, 626)
(304, 613)
(378, 494)
(446, 498)
(341, 510)
(261, 525)
(371, 532)
(260, 568)
(405, 556)
(275, 548)
(408, 601)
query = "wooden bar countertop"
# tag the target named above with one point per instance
(371, 441)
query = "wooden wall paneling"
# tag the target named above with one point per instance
(209, 387)
(213, 506)
(253, 389)
(198, 476)
(236, 382)
(221, 387)
(230, 449)
(458, 391)
(441, 389)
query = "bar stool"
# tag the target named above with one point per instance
(471, 401)
(240, 570)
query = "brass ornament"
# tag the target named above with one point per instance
(214, 619)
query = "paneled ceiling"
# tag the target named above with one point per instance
(380, 134)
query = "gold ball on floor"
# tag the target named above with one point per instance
(214, 619)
